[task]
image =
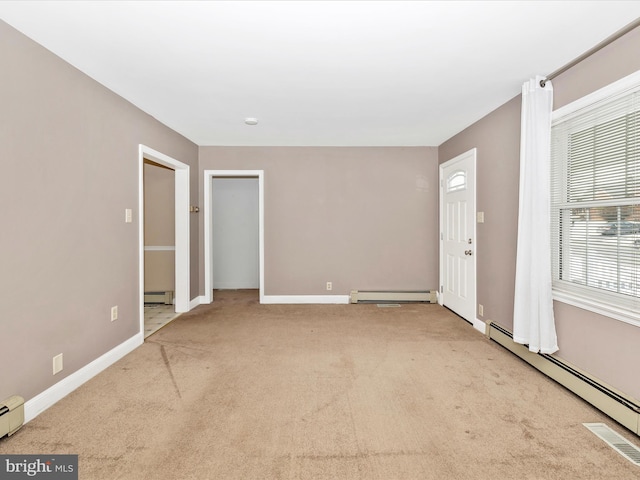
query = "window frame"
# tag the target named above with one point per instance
(610, 304)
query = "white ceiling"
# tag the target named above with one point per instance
(339, 73)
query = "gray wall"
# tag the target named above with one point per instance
(362, 218)
(69, 155)
(599, 345)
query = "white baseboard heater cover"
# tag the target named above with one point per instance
(393, 296)
(11, 415)
(624, 410)
(159, 297)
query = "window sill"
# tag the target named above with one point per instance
(622, 314)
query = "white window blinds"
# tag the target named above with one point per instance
(595, 201)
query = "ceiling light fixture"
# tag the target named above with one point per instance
(251, 121)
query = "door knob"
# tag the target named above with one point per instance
(468, 252)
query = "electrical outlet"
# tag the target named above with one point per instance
(57, 364)
(329, 285)
(114, 313)
(480, 309)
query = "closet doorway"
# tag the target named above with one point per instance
(230, 180)
(235, 233)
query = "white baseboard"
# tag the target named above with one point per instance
(480, 326)
(42, 401)
(197, 301)
(310, 299)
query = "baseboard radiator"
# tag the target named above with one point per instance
(393, 296)
(621, 408)
(11, 415)
(159, 297)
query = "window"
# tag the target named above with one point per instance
(595, 201)
(457, 181)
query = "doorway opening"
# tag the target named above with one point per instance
(209, 253)
(172, 255)
(159, 246)
(234, 233)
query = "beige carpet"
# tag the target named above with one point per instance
(238, 390)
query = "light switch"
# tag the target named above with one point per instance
(128, 215)
(480, 217)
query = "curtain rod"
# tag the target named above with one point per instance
(600, 46)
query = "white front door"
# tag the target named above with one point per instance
(458, 235)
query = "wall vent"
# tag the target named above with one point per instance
(620, 444)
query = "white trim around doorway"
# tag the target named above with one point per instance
(182, 241)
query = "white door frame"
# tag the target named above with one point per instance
(478, 324)
(208, 250)
(182, 273)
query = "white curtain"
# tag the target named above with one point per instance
(533, 321)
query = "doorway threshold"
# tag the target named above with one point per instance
(157, 316)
